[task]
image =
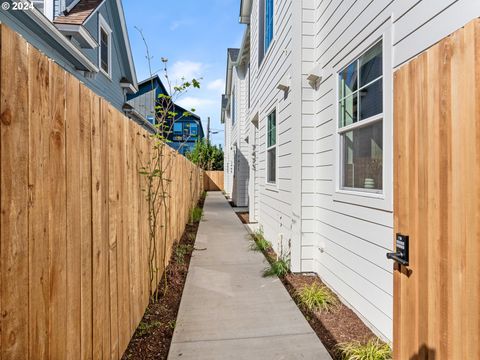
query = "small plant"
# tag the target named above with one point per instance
(259, 242)
(145, 328)
(180, 252)
(374, 349)
(279, 267)
(317, 298)
(171, 324)
(196, 215)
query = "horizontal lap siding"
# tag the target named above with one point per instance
(73, 219)
(355, 238)
(274, 203)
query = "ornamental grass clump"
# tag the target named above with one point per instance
(279, 267)
(374, 349)
(317, 297)
(259, 242)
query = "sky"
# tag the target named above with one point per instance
(194, 36)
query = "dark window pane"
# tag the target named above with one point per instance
(348, 80)
(268, 23)
(177, 128)
(371, 100)
(272, 165)
(104, 50)
(348, 110)
(272, 129)
(371, 65)
(193, 130)
(363, 157)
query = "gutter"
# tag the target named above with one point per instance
(47, 26)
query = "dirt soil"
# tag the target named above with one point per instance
(154, 334)
(332, 328)
(244, 217)
(338, 326)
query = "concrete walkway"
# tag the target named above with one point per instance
(228, 310)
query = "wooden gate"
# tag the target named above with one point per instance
(437, 200)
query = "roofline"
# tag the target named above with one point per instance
(51, 29)
(127, 43)
(71, 6)
(125, 37)
(245, 11)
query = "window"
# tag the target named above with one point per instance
(233, 108)
(272, 148)
(45, 7)
(361, 122)
(177, 128)
(193, 129)
(105, 48)
(265, 26)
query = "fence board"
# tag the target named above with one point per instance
(74, 279)
(86, 223)
(213, 180)
(56, 190)
(14, 129)
(74, 246)
(39, 289)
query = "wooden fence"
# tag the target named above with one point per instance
(213, 181)
(74, 222)
(437, 200)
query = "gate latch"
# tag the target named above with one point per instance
(401, 245)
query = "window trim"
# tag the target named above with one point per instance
(233, 108)
(102, 24)
(48, 8)
(262, 51)
(365, 197)
(271, 185)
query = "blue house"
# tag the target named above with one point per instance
(187, 128)
(88, 38)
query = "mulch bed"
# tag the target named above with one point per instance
(339, 326)
(154, 334)
(244, 217)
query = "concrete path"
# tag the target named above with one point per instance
(228, 310)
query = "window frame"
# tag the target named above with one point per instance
(364, 197)
(233, 108)
(103, 25)
(273, 185)
(341, 131)
(48, 8)
(263, 48)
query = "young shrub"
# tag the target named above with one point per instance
(180, 252)
(279, 267)
(196, 215)
(374, 349)
(317, 297)
(259, 242)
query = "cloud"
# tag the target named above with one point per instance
(189, 102)
(217, 85)
(185, 69)
(178, 23)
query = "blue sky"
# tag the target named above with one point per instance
(194, 35)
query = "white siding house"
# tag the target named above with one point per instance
(319, 125)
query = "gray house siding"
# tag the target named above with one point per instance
(109, 89)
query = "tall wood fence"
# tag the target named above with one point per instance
(74, 279)
(213, 180)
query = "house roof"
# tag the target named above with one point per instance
(80, 12)
(233, 54)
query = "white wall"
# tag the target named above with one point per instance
(357, 231)
(344, 237)
(275, 202)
